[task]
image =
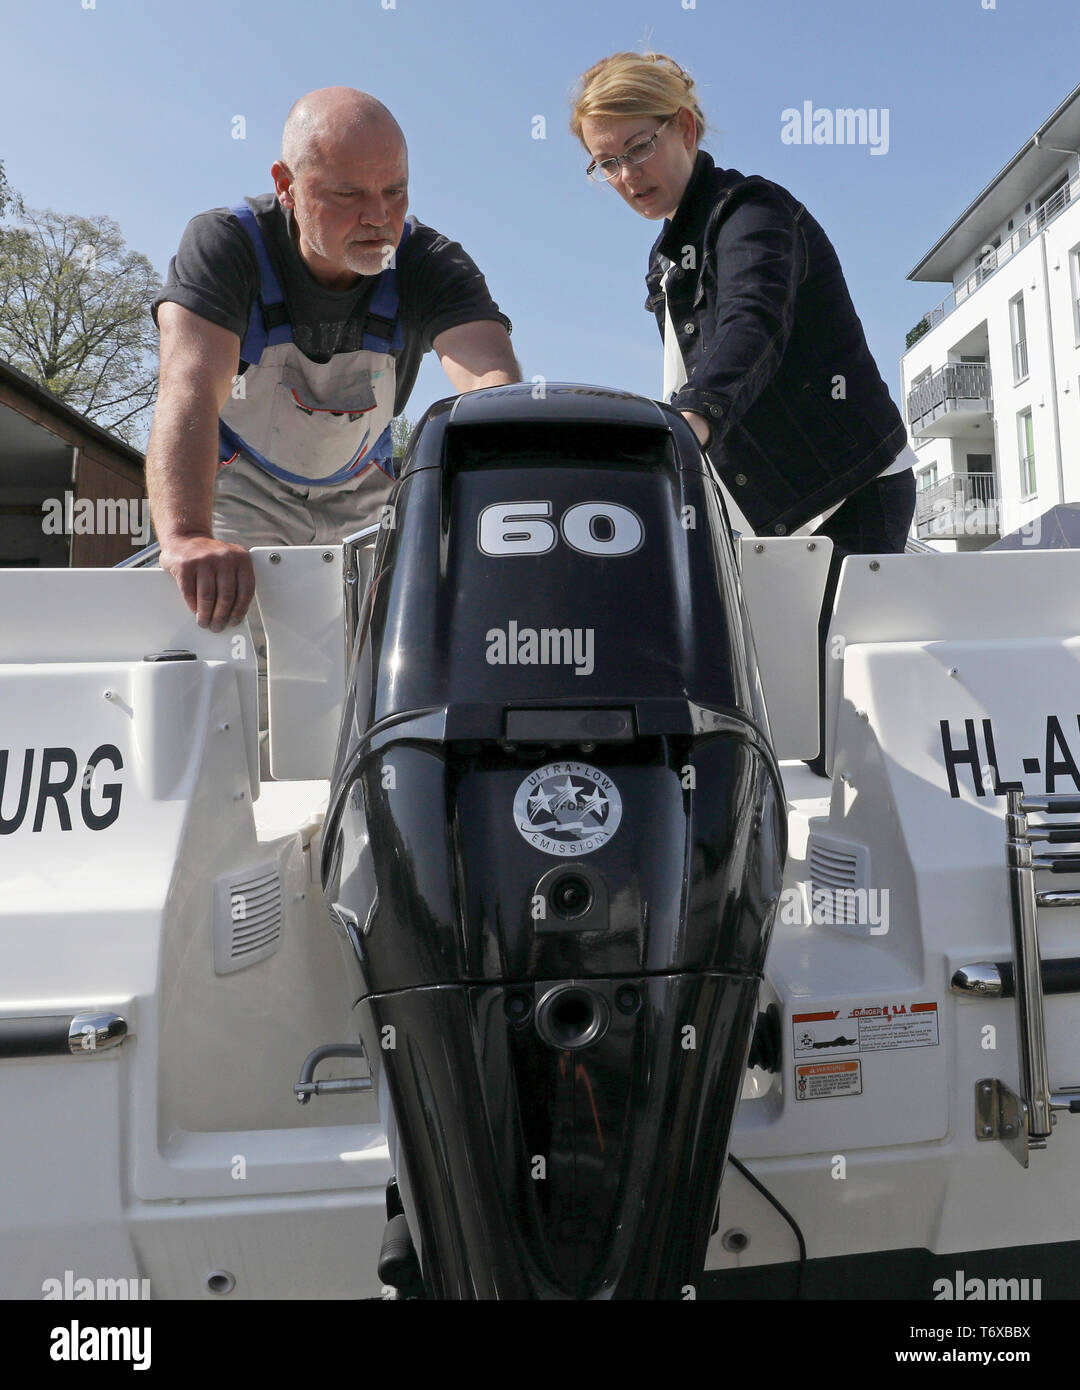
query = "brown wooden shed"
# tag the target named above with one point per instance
(71, 493)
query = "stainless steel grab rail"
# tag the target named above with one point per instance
(146, 556)
(1026, 1121)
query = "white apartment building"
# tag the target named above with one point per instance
(991, 377)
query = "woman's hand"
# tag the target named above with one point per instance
(699, 425)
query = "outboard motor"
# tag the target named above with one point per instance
(556, 836)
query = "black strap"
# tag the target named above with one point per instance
(381, 327)
(274, 315)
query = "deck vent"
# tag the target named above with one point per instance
(247, 918)
(839, 877)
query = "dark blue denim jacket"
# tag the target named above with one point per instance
(776, 359)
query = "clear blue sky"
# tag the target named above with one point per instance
(126, 109)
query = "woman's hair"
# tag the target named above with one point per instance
(635, 84)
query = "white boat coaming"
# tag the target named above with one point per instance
(192, 1155)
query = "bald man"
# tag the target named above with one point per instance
(292, 328)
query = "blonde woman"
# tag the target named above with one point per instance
(763, 351)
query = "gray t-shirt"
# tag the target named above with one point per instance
(215, 274)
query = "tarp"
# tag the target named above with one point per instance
(1057, 529)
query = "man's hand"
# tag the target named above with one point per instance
(699, 425)
(477, 354)
(216, 578)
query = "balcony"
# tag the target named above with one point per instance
(964, 504)
(1043, 215)
(955, 399)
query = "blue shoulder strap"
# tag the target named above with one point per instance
(269, 320)
(268, 324)
(382, 452)
(382, 330)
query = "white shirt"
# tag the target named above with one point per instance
(675, 380)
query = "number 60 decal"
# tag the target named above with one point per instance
(594, 528)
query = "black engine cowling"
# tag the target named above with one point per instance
(557, 832)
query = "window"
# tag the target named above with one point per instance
(1053, 200)
(1027, 454)
(1074, 268)
(927, 477)
(1019, 338)
(986, 261)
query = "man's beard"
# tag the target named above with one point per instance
(370, 259)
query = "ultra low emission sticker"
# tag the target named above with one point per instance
(867, 1028)
(567, 808)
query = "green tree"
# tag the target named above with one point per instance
(75, 316)
(400, 429)
(8, 197)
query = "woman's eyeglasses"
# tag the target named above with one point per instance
(604, 170)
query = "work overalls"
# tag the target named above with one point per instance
(305, 447)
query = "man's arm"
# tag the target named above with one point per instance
(199, 361)
(477, 354)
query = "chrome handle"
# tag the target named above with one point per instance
(58, 1035)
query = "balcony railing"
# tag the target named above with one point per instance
(964, 504)
(956, 381)
(1043, 215)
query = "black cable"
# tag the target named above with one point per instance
(784, 1213)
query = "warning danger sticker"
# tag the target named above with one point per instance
(916, 1029)
(821, 1080)
(869, 1028)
